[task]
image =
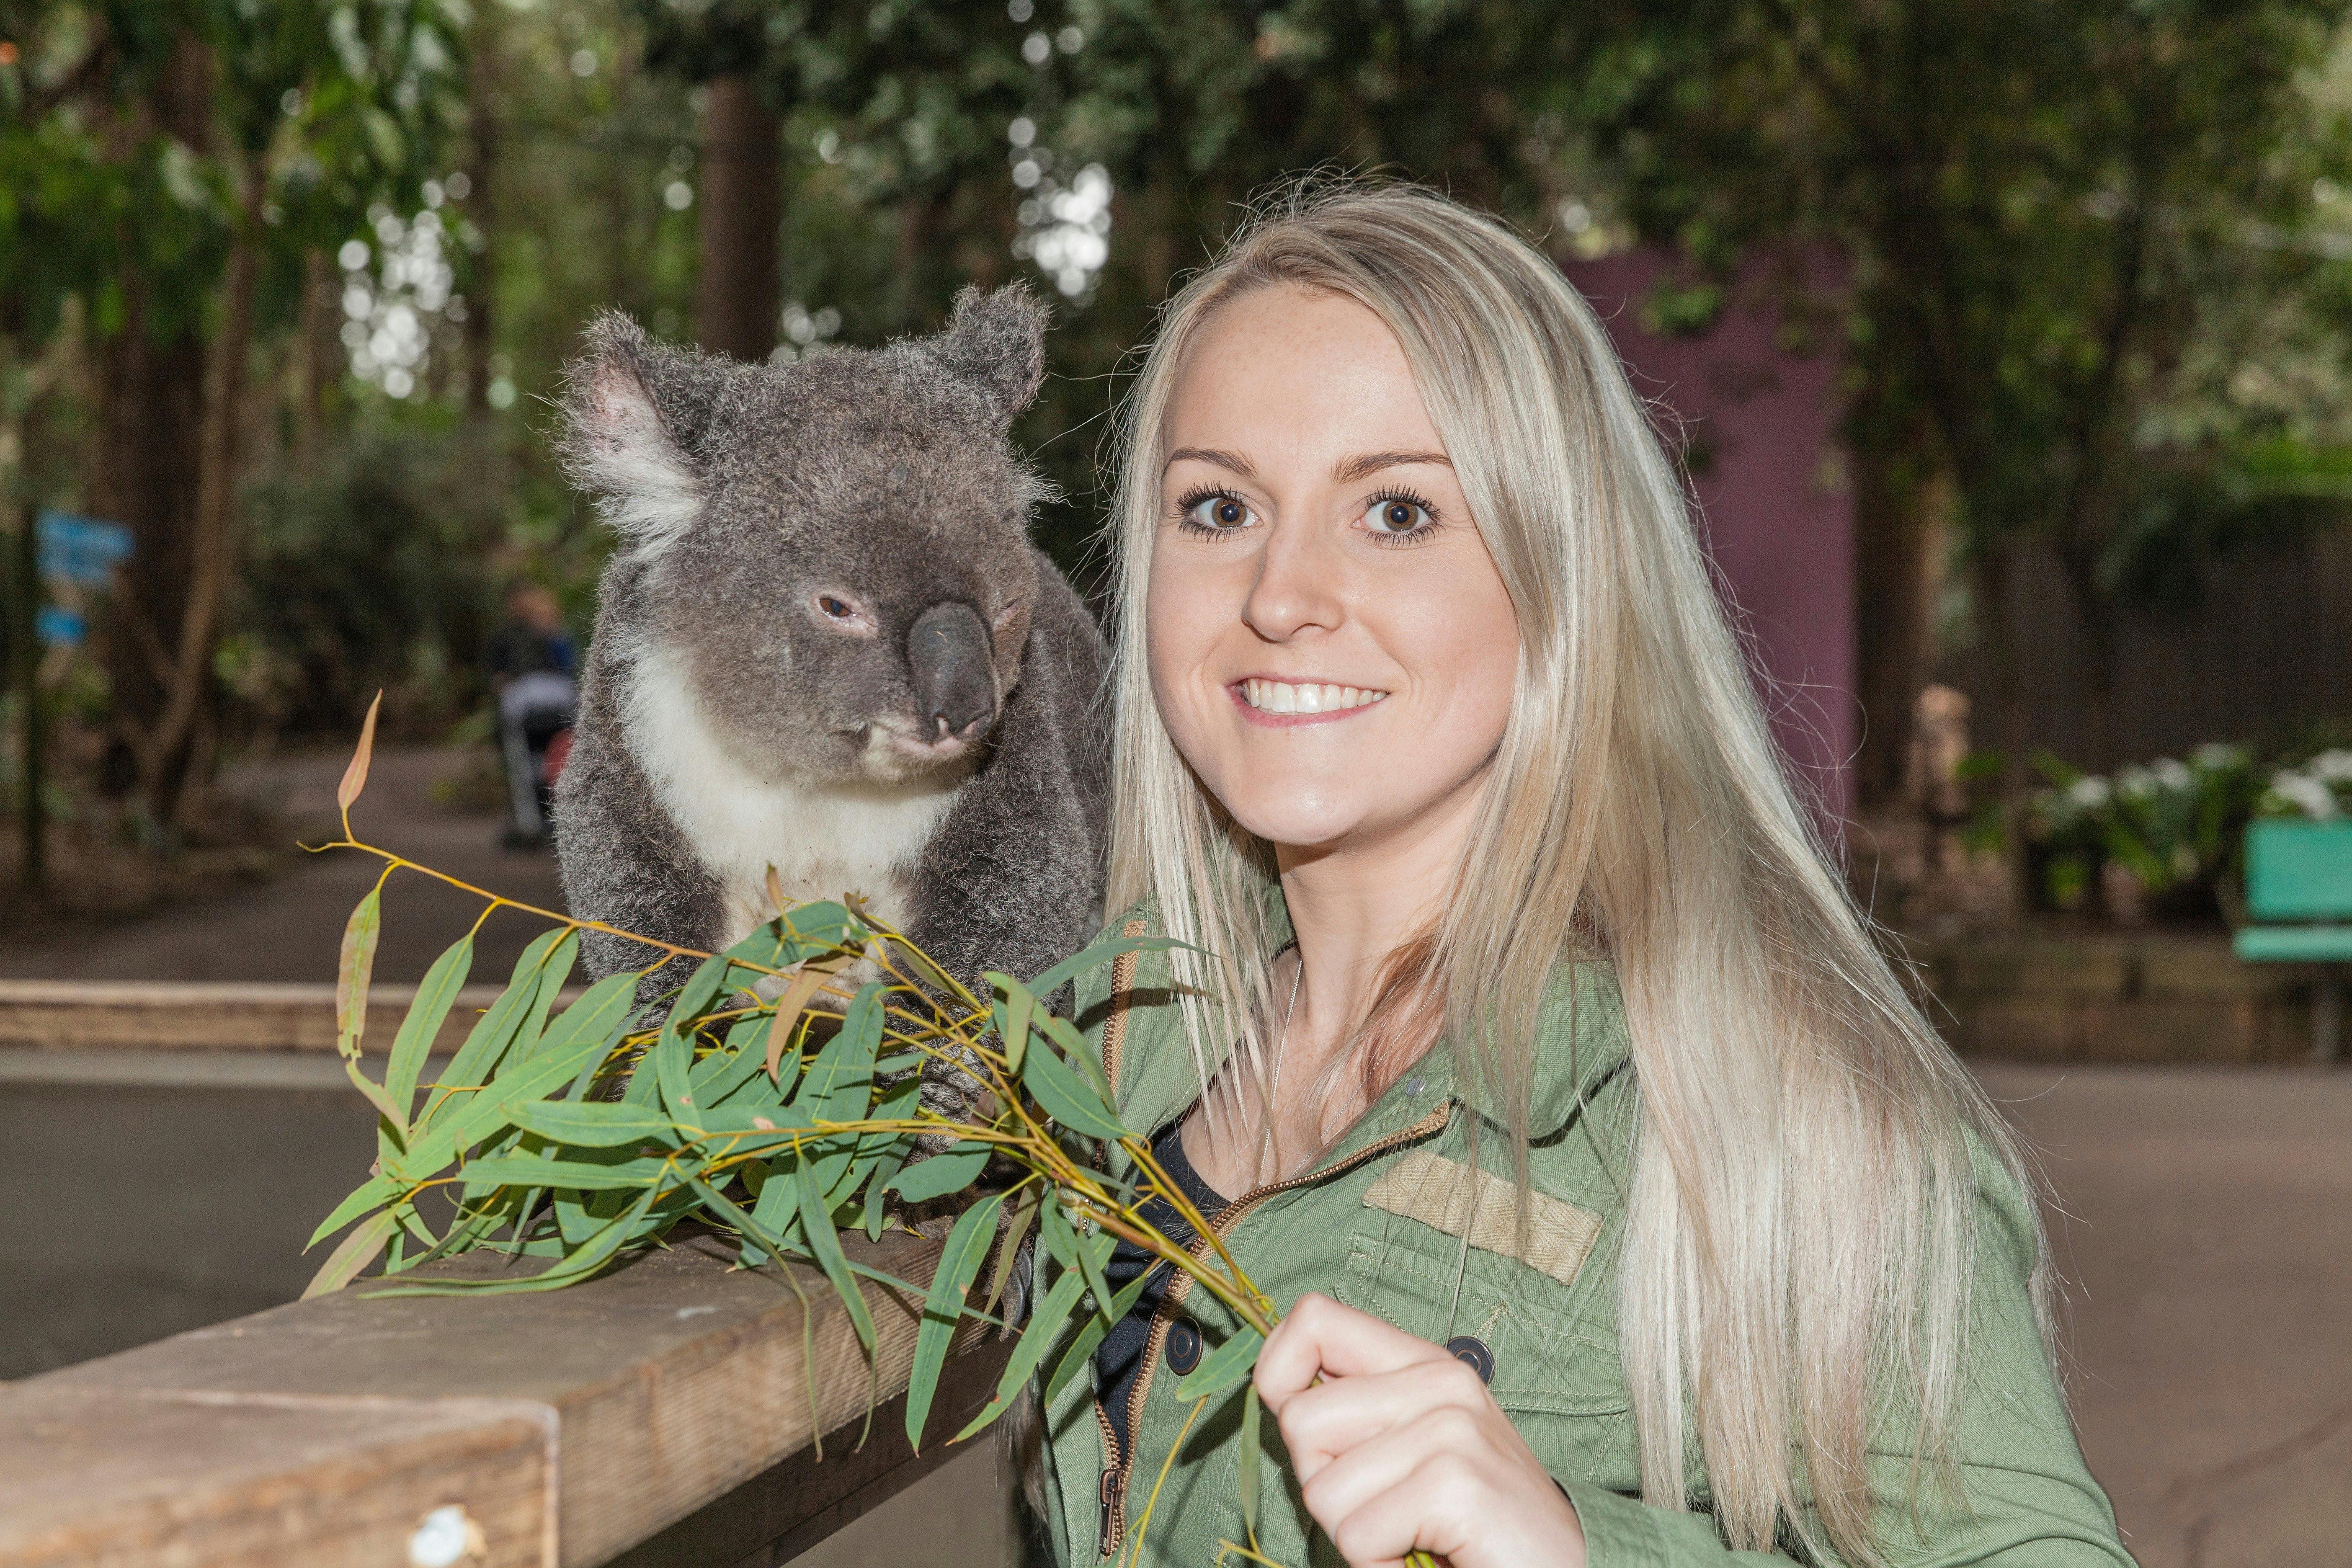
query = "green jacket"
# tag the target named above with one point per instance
(1377, 1224)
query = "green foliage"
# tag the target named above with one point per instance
(2176, 827)
(373, 574)
(575, 1142)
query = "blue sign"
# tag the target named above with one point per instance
(59, 627)
(80, 549)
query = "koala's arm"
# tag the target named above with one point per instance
(625, 863)
(1013, 881)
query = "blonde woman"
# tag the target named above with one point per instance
(1625, 1208)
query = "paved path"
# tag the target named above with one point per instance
(291, 929)
(2207, 1233)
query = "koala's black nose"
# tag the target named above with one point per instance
(955, 684)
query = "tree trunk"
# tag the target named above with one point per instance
(316, 356)
(176, 754)
(742, 208)
(149, 444)
(1893, 578)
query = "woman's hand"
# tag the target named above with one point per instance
(1401, 1448)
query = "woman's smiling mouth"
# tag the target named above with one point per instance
(1284, 703)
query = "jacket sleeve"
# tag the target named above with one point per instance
(2031, 1501)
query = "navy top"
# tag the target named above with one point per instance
(1119, 1358)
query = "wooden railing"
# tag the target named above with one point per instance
(667, 1414)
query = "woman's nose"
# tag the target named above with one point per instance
(1299, 584)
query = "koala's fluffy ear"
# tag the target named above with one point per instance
(997, 341)
(621, 443)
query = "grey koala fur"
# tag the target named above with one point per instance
(825, 644)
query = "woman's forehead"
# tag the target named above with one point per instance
(1286, 374)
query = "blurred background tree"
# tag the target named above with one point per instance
(282, 282)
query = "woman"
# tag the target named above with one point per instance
(1529, 1052)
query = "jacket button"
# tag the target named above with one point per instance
(1184, 1346)
(1472, 1353)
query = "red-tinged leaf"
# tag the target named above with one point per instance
(352, 975)
(355, 775)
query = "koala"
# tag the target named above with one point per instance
(825, 646)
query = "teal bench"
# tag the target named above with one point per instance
(2299, 889)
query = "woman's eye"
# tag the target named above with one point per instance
(1393, 515)
(1219, 514)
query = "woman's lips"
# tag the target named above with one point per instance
(1282, 704)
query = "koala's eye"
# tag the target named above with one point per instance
(841, 611)
(836, 608)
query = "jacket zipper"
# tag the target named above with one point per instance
(1118, 1453)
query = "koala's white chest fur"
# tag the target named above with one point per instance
(822, 841)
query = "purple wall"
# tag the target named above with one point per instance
(1777, 513)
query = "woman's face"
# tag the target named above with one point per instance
(1331, 647)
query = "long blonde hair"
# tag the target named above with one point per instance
(1800, 1219)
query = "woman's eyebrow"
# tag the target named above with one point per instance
(1232, 462)
(1369, 463)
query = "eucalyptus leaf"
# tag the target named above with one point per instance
(422, 1025)
(826, 1244)
(356, 1251)
(952, 1170)
(1222, 1367)
(593, 1124)
(494, 1031)
(356, 963)
(1091, 1333)
(1045, 1325)
(1067, 1099)
(1250, 1455)
(959, 1261)
(1103, 951)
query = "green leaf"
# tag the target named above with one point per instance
(839, 1085)
(488, 1041)
(580, 1262)
(1064, 1033)
(1077, 963)
(952, 1170)
(566, 1175)
(422, 1027)
(1222, 1367)
(593, 1124)
(875, 1204)
(725, 1070)
(959, 1261)
(554, 975)
(1013, 1003)
(818, 1226)
(1091, 1332)
(588, 1026)
(1045, 1326)
(358, 960)
(812, 930)
(1250, 1455)
(1065, 1098)
(673, 1048)
(355, 1253)
(374, 1191)
(375, 1095)
(1083, 1252)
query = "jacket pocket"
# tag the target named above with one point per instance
(1546, 1355)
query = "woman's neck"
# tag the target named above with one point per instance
(1351, 907)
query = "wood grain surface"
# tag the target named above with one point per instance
(571, 1426)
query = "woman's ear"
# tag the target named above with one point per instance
(997, 341)
(620, 444)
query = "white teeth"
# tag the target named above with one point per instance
(1281, 697)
